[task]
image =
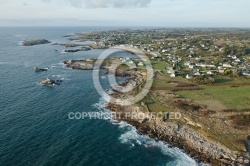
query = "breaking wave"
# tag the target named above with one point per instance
(131, 137)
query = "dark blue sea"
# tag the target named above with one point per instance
(34, 126)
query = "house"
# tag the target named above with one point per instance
(202, 45)
(210, 73)
(234, 57)
(237, 60)
(201, 64)
(246, 73)
(164, 50)
(130, 62)
(140, 64)
(189, 76)
(197, 73)
(221, 69)
(191, 65)
(226, 65)
(172, 75)
(212, 66)
(123, 60)
(186, 63)
(170, 70)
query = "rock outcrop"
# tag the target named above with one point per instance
(50, 82)
(79, 49)
(40, 69)
(184, 137)
(87, 64)
(34, 42)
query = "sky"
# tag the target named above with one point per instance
(166, 13)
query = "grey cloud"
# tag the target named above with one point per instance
(107, 3)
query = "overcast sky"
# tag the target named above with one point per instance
(170, 13)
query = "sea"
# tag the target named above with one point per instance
(35, 129)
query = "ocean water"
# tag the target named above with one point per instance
(34, 124)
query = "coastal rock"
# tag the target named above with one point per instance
(98, 46)
(40, 69)
(50, 82)
(87, 64)
(182, 136)
(34, 42)
(76, 50)
(70, 45)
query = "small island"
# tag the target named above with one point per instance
(34, 42)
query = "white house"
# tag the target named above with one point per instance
(123, 60)
(172, 75)
(234, 57)
(201, 64)
(221, 69)
(197, 73)
(191, 65)
(140, 64)
(210, 73)
(237, 60)
(131, 62)
(189, 76)
(213, 66)
(246, 73)
(170, 70)
(226, 65)
(186, 63)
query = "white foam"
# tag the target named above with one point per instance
(8, 63)
(63, 52)
(20, 43)
(131, 137)
(56, 76)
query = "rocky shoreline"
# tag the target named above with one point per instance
(184, 137)
(197, 144)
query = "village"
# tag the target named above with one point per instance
(188, 53)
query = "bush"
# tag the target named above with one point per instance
(203, 79)
(227, 72)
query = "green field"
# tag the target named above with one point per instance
(159, 65)
(231, 97)
(161, 84)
